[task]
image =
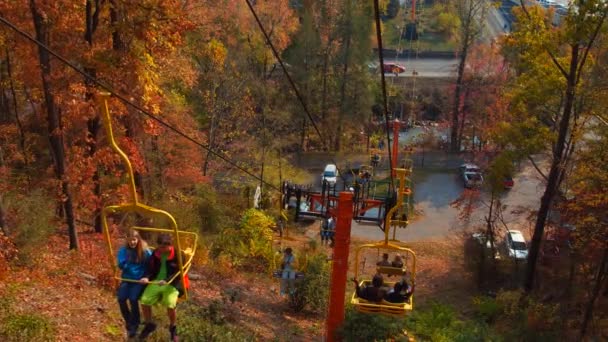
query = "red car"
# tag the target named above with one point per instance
(508, 183)
(393, 68)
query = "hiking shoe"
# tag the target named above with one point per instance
(148, 329)
(132, 331)
(173, 331)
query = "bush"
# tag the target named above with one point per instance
(313, 290)
(250, 244)
(527, 319)
(370, 327)
(199, 323)
(26, 327)
(208, 209)
(440, 323)
(33, 224)
(487, 308)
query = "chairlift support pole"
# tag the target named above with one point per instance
(413, 11)
(395, 151)
(335, 316)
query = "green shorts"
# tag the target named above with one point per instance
(166, 295)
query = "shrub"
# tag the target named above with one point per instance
(313, 290)
(370, 327)
(199, 323)
(440, 323)
(26, 327)
(527, 318)
(208, 209)
(250, 244)
(33, 225)
(487, 308)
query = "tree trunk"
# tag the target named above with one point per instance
(555, 172)
(4, 102)
(571, 274)
(55, 129)
(454, 145)
(15, 107)
(115, 18)
(93, 124)
(93, 130)
(212, 130)
(303, 136)
(463, 118)
(324, 82)
(2, 219)
(599, 279)
(2, 215)
(342, 95)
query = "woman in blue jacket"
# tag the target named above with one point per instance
(132, 260)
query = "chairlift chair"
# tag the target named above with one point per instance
(146, 212)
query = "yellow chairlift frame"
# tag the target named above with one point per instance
(144, 210)
(396, 309)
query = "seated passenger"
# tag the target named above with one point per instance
(397, 262)
(374, 292)
(384, 261)
(401, 293)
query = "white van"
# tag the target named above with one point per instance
(330, 174)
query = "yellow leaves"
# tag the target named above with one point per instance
(213, 55)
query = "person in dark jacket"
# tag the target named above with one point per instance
(132, 260)
(162, 267)
(401, 293)
(374, 292)
(384, 261)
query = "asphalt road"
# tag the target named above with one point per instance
(438, 219)
(427, 67)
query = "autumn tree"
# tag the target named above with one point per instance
(354, 33)
(132, 48)
(587, 208)
(471, 15)
(552, 66)
(54, 117)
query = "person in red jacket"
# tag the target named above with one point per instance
(162, 267)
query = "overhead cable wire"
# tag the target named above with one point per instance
(129, 102)
(292, 83)
(385, 101)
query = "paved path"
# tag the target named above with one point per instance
(433, 195)
(436, 189)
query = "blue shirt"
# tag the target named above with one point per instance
(130, 268)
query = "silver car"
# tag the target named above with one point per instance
(516, 245)
(471, 175)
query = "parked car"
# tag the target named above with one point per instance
(393, 68)
(483, 241)
(508, 182)
(516, 245)
(471, 175)
(330, 174)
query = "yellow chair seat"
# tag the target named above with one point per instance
(384, 307)
(391, 270)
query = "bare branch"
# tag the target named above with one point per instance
(537, 168)
(602, 119)
(590, 43)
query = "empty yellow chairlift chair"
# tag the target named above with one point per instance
(146, 212)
